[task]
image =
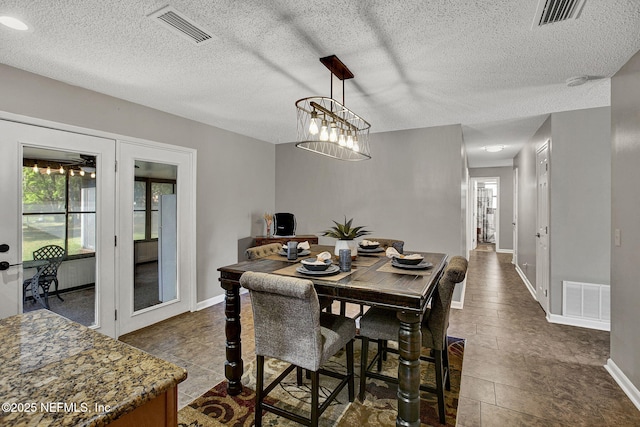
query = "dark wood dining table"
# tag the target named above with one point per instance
(373, 281)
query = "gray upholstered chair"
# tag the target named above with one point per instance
(263, 251)
(385, 243)
(289, 326)
(383, 325)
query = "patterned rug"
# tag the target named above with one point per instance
(215, 407)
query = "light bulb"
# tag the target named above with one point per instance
(81, 172)
(61, 170)
(48, 170)
(35, 168)
(356, 147)
(324, 132)
(349, 140)
(341, 139)
(333, 135)
(313, 125)
(93, 174)
(72, 172)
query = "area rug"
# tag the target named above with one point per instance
(215, 407)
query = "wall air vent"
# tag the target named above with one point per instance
(552, 11)
(179, 24)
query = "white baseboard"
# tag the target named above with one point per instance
(527, 283)
(504, 251)
(460, 304)
(213, 301)
(579, 321)
(625, 384)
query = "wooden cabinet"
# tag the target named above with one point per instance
(264, 240)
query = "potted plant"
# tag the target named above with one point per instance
(345, 233)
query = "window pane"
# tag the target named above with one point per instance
(139, 223)
(39, 231)
(42, 192)
(82, 234)
(154, 224)
(82, 193)
(158, 189)
(139, 196)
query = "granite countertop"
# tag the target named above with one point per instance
(55, 372)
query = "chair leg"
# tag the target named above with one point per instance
(363, 367)
(259, 389)
(343, 308)
(315, 413)
(351, 384)
(57, 293)
(299, 375)
(440, 386)
(45, 290)
(447, 372)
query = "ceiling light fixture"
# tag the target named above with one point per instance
(493, 148)
(336, 121)
(13, 23)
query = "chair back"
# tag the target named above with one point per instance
(438, 319)
(263, 251)
(52, 253)
(286, 318)
(387, 243)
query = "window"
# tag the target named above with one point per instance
(58, 209)
(147, 192)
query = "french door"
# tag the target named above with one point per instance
(94, 230)
(156, 233)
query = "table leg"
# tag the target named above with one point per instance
(233, 366)
(409, 346)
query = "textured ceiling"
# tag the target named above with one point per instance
(417, 63)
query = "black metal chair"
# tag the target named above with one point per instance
(383, 325)
(48, 274)
(289, 326)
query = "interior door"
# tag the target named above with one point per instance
(542, 222)
(156, 240)
(14, 139)
(515, 216)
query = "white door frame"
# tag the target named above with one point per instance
(542, 226)
(185, 160)
(472, 220)
(21, 134)
(515, 217)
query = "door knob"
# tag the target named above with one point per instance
(4, 265)
(4, 247)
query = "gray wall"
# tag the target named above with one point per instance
(580, 196)
(409, 190)
(505, 229)
(580, 199)
(625, 211)
(230, 199)
(525, 161)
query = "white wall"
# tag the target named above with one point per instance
(236, 175)
(410, 189)
(625, 211)
(505, 229)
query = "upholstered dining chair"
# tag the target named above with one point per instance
(289, 326)
(263, 251)
(383, 325)
(48, 274)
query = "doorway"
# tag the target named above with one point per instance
(542, 226)
(484, 210)
(53, 204)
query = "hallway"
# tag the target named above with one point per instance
(520, 369)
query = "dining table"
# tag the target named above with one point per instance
(372, 281)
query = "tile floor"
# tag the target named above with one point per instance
(518, 368)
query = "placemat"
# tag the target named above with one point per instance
(388, 268)
(278, 257)
(291, 271)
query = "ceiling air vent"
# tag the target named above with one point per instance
(176, 22)
(552, 11)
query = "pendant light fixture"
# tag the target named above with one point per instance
(327, 127)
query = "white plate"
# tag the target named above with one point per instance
(303, 253)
